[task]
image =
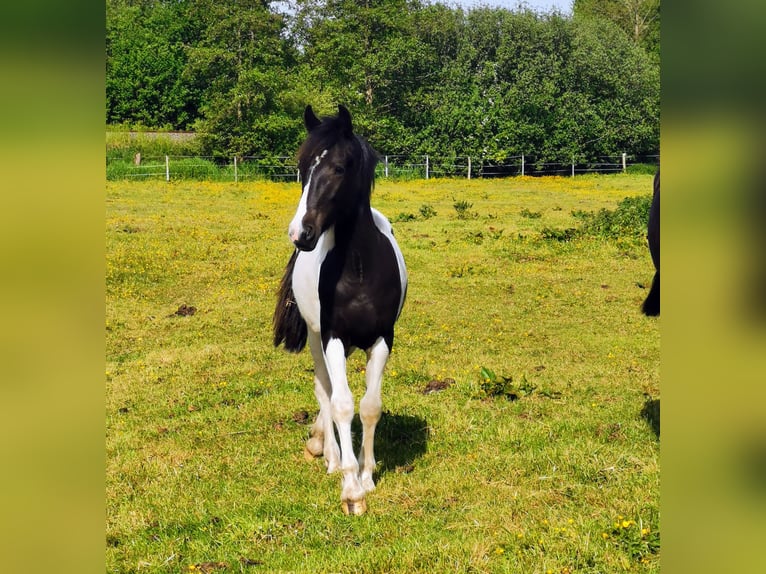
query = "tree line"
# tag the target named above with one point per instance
(419, 77)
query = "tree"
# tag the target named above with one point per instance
(240, 64)
(420, 78)
(521, 82)
(617, 87)
(366, 54)
(640, 19)
(145, 61)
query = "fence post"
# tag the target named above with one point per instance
(573, 164)
(426, 167)
(469, 167)
(167, 168)
(624, 161)
(235, 170)
(385, 164)
(522, 164)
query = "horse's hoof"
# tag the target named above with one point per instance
(354, 508)
(314, 448)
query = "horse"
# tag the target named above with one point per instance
(343, 289)
(651, 306)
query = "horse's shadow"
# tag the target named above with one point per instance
(651, 413)
(399, 441)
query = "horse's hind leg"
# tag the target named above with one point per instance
(370, 409)
(315, 445)
(651, 306)
(322, 437)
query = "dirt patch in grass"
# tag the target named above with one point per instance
(434, 386)
(184, 311)
(300, 417)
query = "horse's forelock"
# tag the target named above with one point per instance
(324, 137)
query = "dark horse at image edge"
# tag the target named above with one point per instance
(651, 306)
(343, 289)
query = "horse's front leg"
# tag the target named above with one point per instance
(342, 403)
(322, 437)
(370, 408)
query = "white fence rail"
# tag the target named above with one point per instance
(280, 168)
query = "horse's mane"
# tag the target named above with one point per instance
(324, 136)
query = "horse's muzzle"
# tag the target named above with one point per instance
(307, 239)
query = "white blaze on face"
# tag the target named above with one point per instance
(296, 225)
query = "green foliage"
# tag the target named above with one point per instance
(145, 65)
(241, 60)
(641, 168)
(638, 540)
(530, 214)
(639, 19)
(562, 235)
(404, 217)
(461, 207)
(625, 223)
(419, 78)
(195, 168)
(494, 386)
(427, 211)
(124, 146)
(628, 220)
(119, 169)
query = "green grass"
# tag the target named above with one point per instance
(123, 146)
(535, 456)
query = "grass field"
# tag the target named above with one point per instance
(539, 453)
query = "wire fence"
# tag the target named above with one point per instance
(282, 168)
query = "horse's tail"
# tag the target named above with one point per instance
(651, 306)
(289, 325)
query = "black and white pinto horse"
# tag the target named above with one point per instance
(343, 289)
(651, 306)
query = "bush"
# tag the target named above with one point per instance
(462, 207)
(627, 222)
(500, 386)
(563, 235)
(427, 211)
(404, 217)
(531, 214)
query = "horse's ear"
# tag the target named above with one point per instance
(345, 117)
(309, 119)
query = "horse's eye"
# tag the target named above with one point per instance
(340, 170)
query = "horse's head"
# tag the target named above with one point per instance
(336, 169)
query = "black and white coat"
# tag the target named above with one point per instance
(348, 280)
